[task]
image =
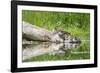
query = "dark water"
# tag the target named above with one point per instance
(40, 51)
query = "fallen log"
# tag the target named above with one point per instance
(33, 32)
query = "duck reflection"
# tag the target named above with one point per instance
(39, 48)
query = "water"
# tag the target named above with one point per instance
(46, 51)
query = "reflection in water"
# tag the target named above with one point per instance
(40, 48)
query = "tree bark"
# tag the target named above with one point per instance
(33, 32)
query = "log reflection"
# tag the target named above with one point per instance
(39, 48)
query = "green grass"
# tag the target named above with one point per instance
(67, 56)
(78, 24)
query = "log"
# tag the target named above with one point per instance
(34, 32)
